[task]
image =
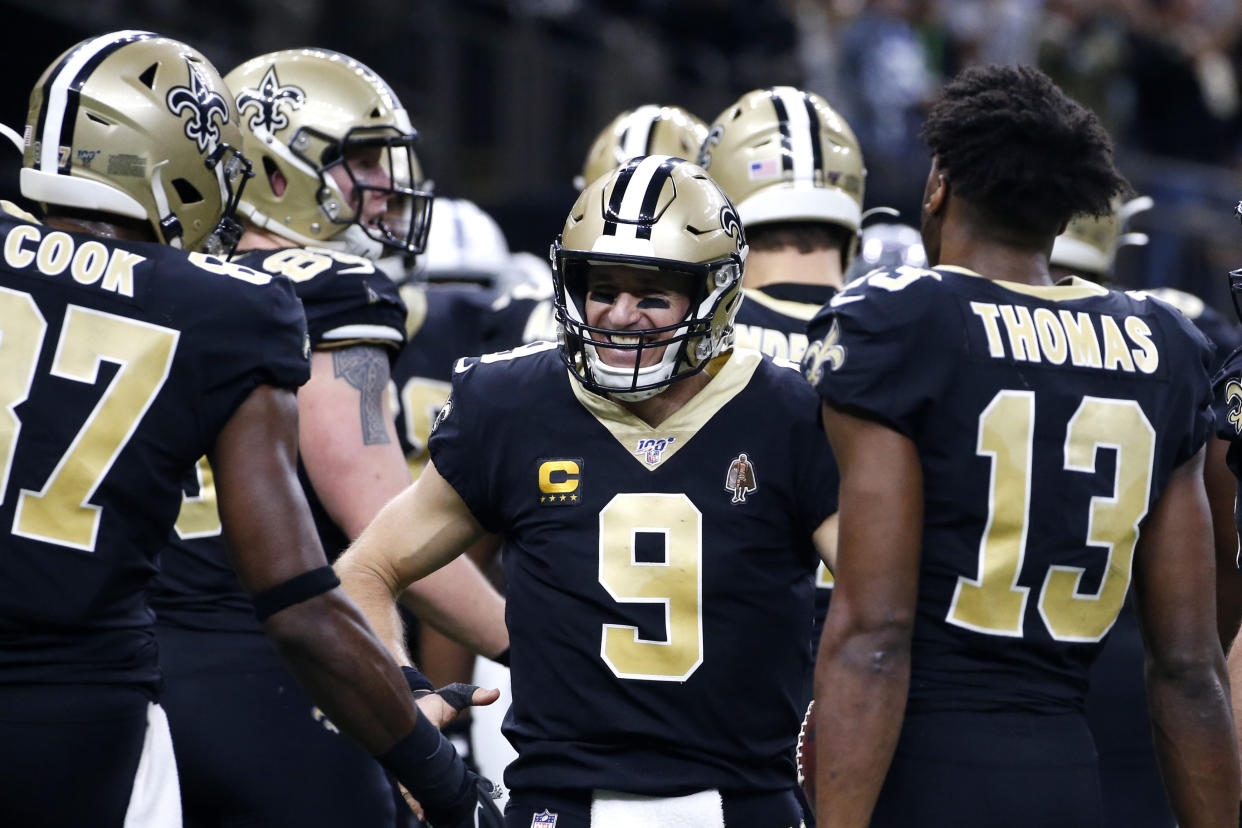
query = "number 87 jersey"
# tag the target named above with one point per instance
(119, 364)
(1047, 422)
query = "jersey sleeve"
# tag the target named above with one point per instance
(253, 333)
(458, 442)
(882, 350)
(1227, 398)
(347, 300)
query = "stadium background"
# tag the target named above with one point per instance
(509, 93)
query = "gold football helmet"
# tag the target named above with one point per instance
(783, 154)
(1089, 244)
(646, 130)
(140, 126)
(309, 115)
(655, 213)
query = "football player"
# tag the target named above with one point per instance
(337, 183)
(1013, 454)
(132, 347)
(1116, 701)
(659, 548)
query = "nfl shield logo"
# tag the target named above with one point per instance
(543, 820)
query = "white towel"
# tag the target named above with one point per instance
(612, 809)
(155, 801)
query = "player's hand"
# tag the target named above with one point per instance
(442, 706)
(480, 813)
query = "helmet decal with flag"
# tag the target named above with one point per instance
(661, 214)
(785, 155)
(139, 126)
(650, 129)
(309, 112)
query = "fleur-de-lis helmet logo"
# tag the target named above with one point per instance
(1233, 396)
(202, 102)
(268, 101)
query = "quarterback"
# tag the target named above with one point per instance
(659, 549)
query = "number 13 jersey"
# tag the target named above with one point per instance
(659, 579)
(1048, 421)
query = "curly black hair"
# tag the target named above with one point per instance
(1016, 146)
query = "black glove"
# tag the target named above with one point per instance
(478, 812)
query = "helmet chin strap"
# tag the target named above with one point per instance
(610, 377)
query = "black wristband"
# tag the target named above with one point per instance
(426, 763)
(417, 681)
(502, 657)
(297, 589)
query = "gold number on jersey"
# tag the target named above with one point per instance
(676, 582)
(1114, 521)
(22, 329)
(143, 354)
(421, 401)
(823, 577)
(993, 603)
(199, 516)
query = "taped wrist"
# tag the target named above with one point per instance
(297, 589)
(426, 763)
(419, 684)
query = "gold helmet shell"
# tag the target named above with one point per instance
(141, 126)
(650, 129)
(303, 111)
(783, 154)
(658, 213)
(1089, 244)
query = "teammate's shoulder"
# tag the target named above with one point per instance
(530, 362)
(899, 293)
(780, 381)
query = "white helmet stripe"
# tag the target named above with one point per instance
(636, 136)
(57, 88)
(636, 193)
(796, 126)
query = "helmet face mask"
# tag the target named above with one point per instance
(676, 225)
(380, 166)
(334, 154)
(140, 127)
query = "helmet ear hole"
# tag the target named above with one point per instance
(147, 78)
(92, 116)
(186, 191)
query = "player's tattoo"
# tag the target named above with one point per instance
(366, 369)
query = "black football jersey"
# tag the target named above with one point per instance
(447, 322)
(773, 319)
(347, 300)
(647, 569)
(122, 362)
(1047, 421)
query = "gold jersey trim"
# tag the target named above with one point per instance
(798, 310)
(17, 212)
(683, 424)
(1068, 289)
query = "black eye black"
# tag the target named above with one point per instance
(604, 297)
(653, 302)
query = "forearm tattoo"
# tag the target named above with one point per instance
(366, 369)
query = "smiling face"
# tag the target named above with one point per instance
(365, 167)
(622, 298)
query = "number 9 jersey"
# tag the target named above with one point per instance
(659, 579)
(120, 362)
(1047, 421)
